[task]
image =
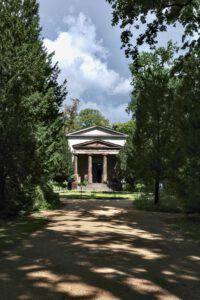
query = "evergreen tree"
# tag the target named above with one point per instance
(30, 99)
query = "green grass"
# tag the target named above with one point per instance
(187, 226)
(167, 203)
(97, 195)
(11, 232)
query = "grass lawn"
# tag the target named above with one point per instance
(97, 195)
(18, 229)
(167, 203)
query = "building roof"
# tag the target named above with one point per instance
(97, 131)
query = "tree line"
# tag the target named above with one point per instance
(33, 125)
(164, 147)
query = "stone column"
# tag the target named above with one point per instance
(105, 169)
(76, 165)
(89, 168)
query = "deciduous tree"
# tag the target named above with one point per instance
(91, 117)
(149, 18)
(126, 127)
(155, 140)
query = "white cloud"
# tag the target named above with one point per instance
(123, 87)
(84, 61)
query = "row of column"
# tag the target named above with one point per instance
(90, 179)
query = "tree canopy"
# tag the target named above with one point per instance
(153, 105)
(188, 102)
(124, 127)
(91, 117)
(149, 18)
(75, 120)
(70, 114)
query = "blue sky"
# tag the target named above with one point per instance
(87, 49)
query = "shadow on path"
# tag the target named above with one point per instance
(102, 250)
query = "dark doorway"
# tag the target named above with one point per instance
(97, 172)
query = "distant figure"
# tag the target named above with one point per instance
(161, 186)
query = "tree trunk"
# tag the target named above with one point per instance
(156, 190)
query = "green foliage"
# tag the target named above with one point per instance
(71, 116)
(165, 104)
(165, 144)
(90, 117)
(124, 173)
(188, 95)
(43, 197)
(126, 127)
(149, 18)
(75, 120)
(124, 170)
(31, 139)
(152, 149)
(168, 203)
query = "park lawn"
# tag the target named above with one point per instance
(97, 195)
(11, 232)
(167, 203)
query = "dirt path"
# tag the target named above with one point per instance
(102, 250)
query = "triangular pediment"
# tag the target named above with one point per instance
(97, 131)
(96, 144)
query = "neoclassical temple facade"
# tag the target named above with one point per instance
(94, 153)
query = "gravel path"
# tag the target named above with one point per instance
(102, 250)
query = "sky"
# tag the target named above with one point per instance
(88, 51)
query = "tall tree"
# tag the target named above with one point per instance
(151, 17)
(91, 117)
(30, 99)
(188, 99)
(154, 143)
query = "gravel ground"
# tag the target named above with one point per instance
(102, 250)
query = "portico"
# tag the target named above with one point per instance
(95, 151)
(93, 167)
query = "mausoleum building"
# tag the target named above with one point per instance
(95, 151)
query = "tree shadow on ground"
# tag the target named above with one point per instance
(106, 250)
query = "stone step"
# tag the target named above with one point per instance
(96, 187)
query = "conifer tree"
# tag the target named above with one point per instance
(30, 99)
